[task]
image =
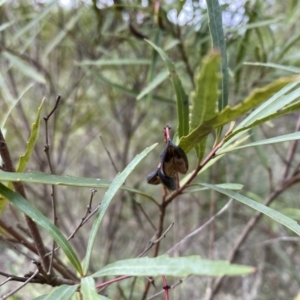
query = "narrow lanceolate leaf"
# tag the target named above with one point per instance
(23, 160)
(45, 178)
(277, 139)
(23, 205)
(55, 41)
(276, 106)
(193, 188)
(24, 67)
(181, 97)
(153, 84)
(275, 215)
(41, 15)
(113, 188)
(171, 266)
(217, 35)
(291, 69)
(63, 292)
(258, 96)
(114, 62)
(126, 91)
(88, 289)
(205, 97)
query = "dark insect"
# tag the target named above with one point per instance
(172, 160)
(158, 177)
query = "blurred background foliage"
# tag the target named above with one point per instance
(116, 99)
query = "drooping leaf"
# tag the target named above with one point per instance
(63, 292)
(181, 97)
(258, 96)
(172, 266)
(205, 97)
(218, 40)
(113, 188)
(275, 215)
(23, 205)
(51, 179)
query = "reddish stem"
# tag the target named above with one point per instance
(101, 285)
(166, 287)
(167, 132)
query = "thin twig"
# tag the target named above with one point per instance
(152, 243)
(2, 238)
(39, 279)
(271, 241)
(53, 187)
(109, 155)
(248, 229)
(5, 281)
(291, 153)
(180, 281)
(59, 266)
(19, 187)
(104, 284)
(21, 286)
(198, 230)
(86, 217)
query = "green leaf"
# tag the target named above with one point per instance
(275, 107)
(291, 69)
(24, 67)
(88, 289)
(217, 35)
(227, 186)
(13, 103)
(63, 292)
(258, 96)
(275, 215)
(113, 188)
(114, 62)
(293, 213)
(127, 91)
(23, 160)
(205, 97)
(171, 266)
(277, 139)
(152, 68)
(153, 84)
(23, 205)
(39, 17)
(5, 25)
(62, 33)
(181, 97)
(45, 178)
